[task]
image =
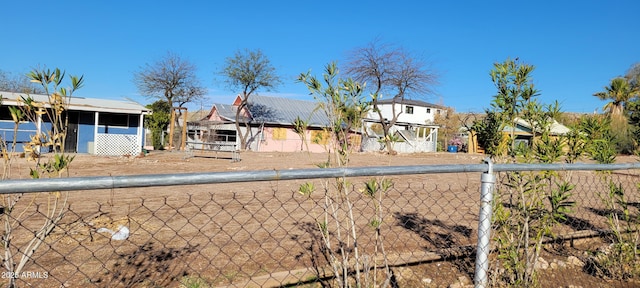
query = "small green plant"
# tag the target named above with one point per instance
(529, 204)
(621, 259)
(375, 190)
(529, 217)
(342, 102)
(325, 164)
(306, 189)
(489, 133)
(193, 282)
(603, 151)
(230, 276)
(575, 143)
(390, 139)
(17, 255)
(157, 122)
(599, 140)
(559, 200)
(300, 127)
(548, 149)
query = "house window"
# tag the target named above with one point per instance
(279, 133)
(320, 137)
(113, 119)
(5, 114)
(428, 110)
(224, 136)
(408, 110)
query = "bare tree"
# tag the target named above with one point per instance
(248, 71)
(171, 79)
(392, 71)
(633, 75)
(19, 83)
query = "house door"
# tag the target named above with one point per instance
(71, 139)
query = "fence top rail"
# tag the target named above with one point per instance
(151, 180)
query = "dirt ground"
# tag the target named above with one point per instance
(226, 234)
(180, 162)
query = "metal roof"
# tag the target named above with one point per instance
(276, 110)
(284, 111)
(226, 111)
(555, 127)
(83, 104)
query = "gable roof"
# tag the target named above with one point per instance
(284, 111)
(82, 104)
(555, 128)
(274, 110)
(225, 111)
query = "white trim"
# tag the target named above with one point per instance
(20, 130)
(11, 121)
(81, 104)
(39, 128)
(95, 130)
(140, 129)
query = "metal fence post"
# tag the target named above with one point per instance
(488, 180)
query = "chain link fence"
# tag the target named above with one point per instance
(409, 226)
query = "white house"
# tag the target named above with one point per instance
(410, 111)
(414, 126)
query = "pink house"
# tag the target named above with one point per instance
(271, 121)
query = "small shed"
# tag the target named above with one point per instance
(96, 126)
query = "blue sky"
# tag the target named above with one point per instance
(576, 46)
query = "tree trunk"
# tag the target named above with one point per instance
(386, 126)
(239, 134)
(243, 137)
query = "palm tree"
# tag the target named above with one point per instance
(618, 93)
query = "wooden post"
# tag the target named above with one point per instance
(171, 123)
(183, 141)
(184, 130)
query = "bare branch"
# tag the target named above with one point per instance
(18, 83)
(170, 78)
(392, 71)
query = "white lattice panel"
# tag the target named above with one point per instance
(372, 144)
(117, 144)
